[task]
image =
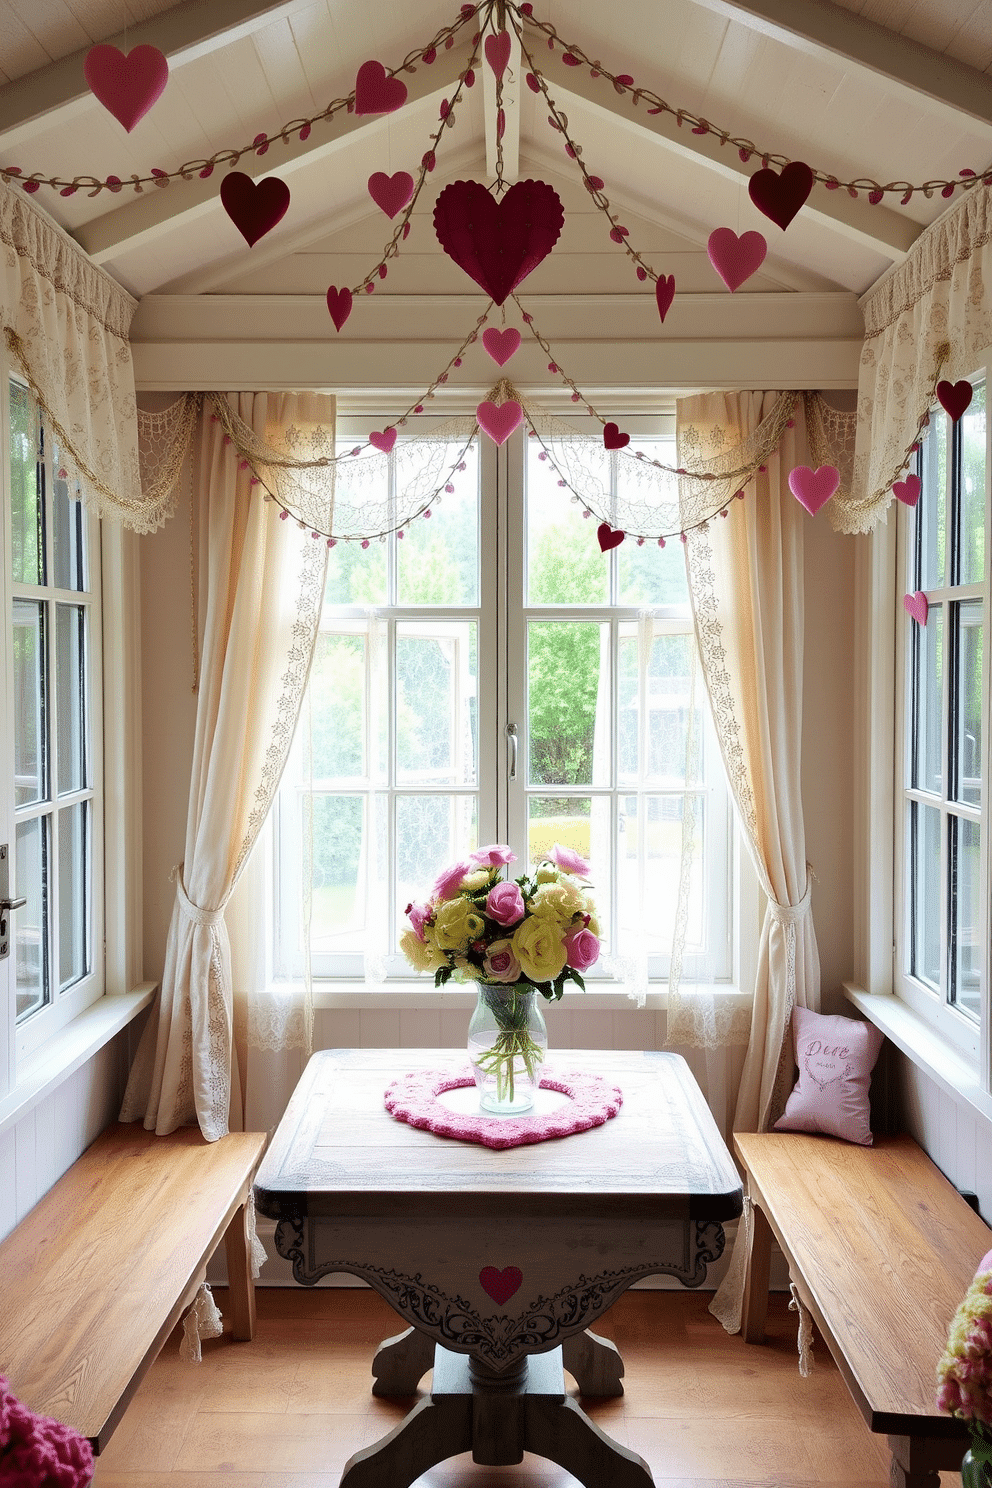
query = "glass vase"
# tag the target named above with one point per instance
(507, 1044)
(976, 1469)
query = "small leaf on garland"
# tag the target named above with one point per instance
(498, 243)
(781, 196)
(532, 83)
(339, 305)
(664, 293)
(908, 491)
(613, 439)
(813, 488)
(391, 193)
(499, 423)
(954, 397)
(735, 258)
(127, 85)
(498, 52)
(383, 440)
(255, 207)
(608, 537)
(501, 345)
(375, 93)
(917, 606)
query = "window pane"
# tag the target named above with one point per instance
(928, 654)
(931, 509)
(70, 692)
(30, 742)
(70, 530)
(357, 575)
(568, 702)
(564, 561)
(925, 894)
(649, 575)
(438, 559)
(431, 833)
(436, 703)
(73, 894)
(971, 516)
(968, 722)
(965, 914)
(649, 867)
(337, 915)
(337, 688)
(27, 507)
(31, 921)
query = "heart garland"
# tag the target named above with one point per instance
(735, 258)
(813, 488)
(375, 93)
(908, 491)
(126, 84)
(339, 302)
(391, 193)
(954, 398)
(917, 607)
(383, 440)
(499, 421)
(498, 243)
(780, 197)
(498, 52)
(501, 345)
(254, 206)
(613, 439)
(609, 537)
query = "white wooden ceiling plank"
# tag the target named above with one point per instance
(972, 41)
(20, 50)
(279, 57)
(56, 28)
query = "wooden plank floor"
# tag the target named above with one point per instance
(288, 1409)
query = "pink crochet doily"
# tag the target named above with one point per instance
(413, 1098)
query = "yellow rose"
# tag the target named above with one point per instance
(547, 873)
(456, 925)
(537, 945)
(422, 954)
(477, 880)
(466, 971)
(562, 899)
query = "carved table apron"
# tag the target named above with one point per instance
(498, 1260)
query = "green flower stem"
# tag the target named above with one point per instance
(510, 1014)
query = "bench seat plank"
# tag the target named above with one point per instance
(98, 1273)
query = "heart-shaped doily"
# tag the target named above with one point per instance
(501, 344)
(375, 93)
(917, 606)
(339, 303)
(254, 206)
(383, 439)
(126, 84)
(391, 193)
(813, 488)
(498, 52)
(613, 439)
(735, 258)
(498, 243)
(780, 196)
(501, 1285)
(664, 293)
(908, 491)
(500, 422)
(609, 537)
(954, 397)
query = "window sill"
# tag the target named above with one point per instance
(400, 996)
(945, 1065)
(45, 1070)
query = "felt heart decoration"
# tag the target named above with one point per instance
(814, 488)
(608, 538)
(254, 206)
(339, 305)
(664, 293)
(613, 439)
(383, 441)
(908, 491)
(735, 258)
(375, 93)
(391, 193)
(781, 196)
(499, 423)
(917, 606)
(501, 344)
(498, 52)
(501, 1285)
(954, 397)
(498, 243)
(126, 85)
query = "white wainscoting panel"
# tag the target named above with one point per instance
(957, 1137)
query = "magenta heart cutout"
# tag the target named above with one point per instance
(954, 397)
(613, 439)
(501, 344)
(375, 93)
(917, 606)
(383, 441)
(498, 52)
(499, 423)
(781, 196)
(814, 488)
(664, 293)
(126, 85)
(498, 243)
(254, 206)
(391, 193)
(339, 305)
(908, 491)
(501, 1285)
(608, 538)
(735, 258)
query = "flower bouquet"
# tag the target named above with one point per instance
(514, 938)
(964, 1374)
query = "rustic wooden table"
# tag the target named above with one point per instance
(498, 1260)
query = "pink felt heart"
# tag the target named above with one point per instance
(735, 258)
(781, 196)
(664, 293)
(608, 538)
(498, 243)
(499, 423)
(126, 85)
(954, 397)
(501, 1285)
(813, 488)
(917, 606)
(375, 93)
(908, 491)
(339, 305)
(383, 440)
(613, 439)
(254, 206)
(501, 344)
(498, 52)
(391, 193)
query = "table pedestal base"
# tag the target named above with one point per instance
(495, 1417)
(401, 1362)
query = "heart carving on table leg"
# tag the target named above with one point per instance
(501, 1285)
(498, 243)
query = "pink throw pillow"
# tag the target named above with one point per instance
(835, 1058)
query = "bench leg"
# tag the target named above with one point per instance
(918, 1463)
(241, 1296)
(756, 1275)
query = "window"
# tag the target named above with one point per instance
(492, 676)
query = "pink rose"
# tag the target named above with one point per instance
(505, 904)
(500, 963)
(496, 856)
(447, 884)
(569, 860)
(418, 915)
(581, 948)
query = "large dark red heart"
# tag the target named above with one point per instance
(954, 397)
(613, 439)
(126, 85)
(609, 537)
(498, 243)
(781, 196)
(254, 206)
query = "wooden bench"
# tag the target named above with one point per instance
(881, 1249)
(94, 1279)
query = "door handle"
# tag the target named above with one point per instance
(511, 739)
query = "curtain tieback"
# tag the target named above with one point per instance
(792, 914)
(205, 917)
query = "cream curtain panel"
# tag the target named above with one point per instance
(263, 579)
